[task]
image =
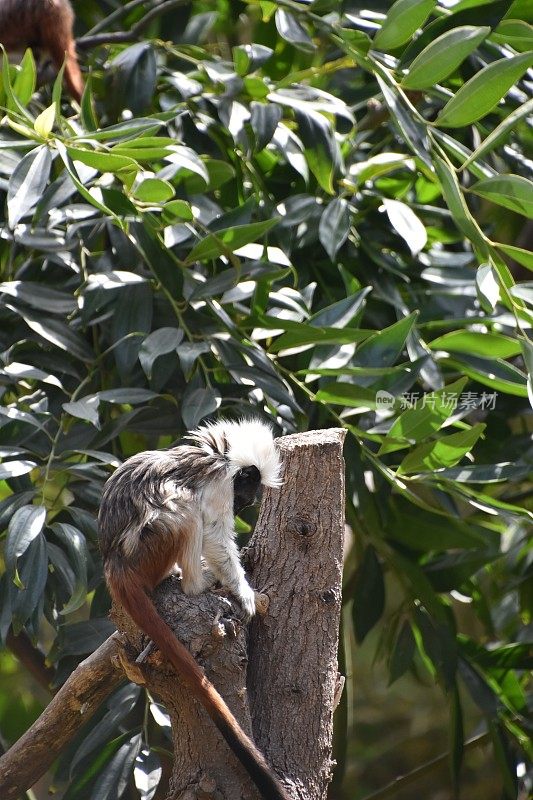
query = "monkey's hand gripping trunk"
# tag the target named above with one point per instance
(128, 591)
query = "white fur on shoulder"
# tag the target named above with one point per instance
(248, 442)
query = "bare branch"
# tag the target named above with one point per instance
(69, 709)
(123, 37)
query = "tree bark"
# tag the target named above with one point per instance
(295, 557)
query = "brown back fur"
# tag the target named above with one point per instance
(43, 25)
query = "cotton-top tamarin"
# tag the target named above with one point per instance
(165, 508)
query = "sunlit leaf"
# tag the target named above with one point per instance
(402, 20)
(484, 91)
(442, 56)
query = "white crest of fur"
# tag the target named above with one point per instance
(246, 443)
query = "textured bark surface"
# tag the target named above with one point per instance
(211, 626)
(295, 557)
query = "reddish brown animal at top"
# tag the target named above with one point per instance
(45, 26)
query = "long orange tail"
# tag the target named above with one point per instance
(129, 592)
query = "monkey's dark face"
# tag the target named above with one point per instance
(246, 486)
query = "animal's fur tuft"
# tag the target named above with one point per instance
(246, 443)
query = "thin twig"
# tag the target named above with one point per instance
(123, 37)
(117, 14)
(402, 781)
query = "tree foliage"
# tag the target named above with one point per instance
(313, 213)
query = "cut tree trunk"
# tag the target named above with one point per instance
(281, 683)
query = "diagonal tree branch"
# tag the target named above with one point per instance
(69, 709)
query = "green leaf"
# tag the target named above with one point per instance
(442, 57)
(466, 13)
(402, 653)
(197, 404)
(88, 116)
(406, 224)
(403, 19)
(369, 594)
(214, 174)
(27, 183)
(79, 638)
(25, 82)
(457, 204)
(177, 210)
(334, 226)
(161, 261)
(430, 413)
(264, 119)
(103, 162)
(523, 257)
(412, 129)
(129, 396)
(56, 333)
(76, 547)
(452, 570)
(494, 373)
(249, 57)
(484, 91)
(229, 240)
(341, 313)
(478, 688)
(425, 531)
(13, 469)
(114, 778)
(158, 343)
(132, 76)
(292, 31)
(349, 395)
(486, 473)
(378, 165)
(85, 408)
(439, 644)
(506, 760)
(383, 348)
(32, 573)
(24, 526)
(304, 335)
(147, 773)
(511, 191)
(44, 122)
(499, 134)
(445, 452)
(153, 190)
(516, 32)
(120, 704)
(321, 149)
(477, 344)
(487, 287)
(40, 296)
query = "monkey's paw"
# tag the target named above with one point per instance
(246, 596)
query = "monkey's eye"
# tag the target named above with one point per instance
(250, 474)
